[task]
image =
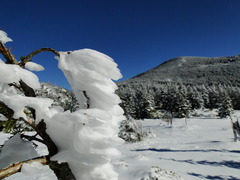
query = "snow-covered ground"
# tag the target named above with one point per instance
(202, 149)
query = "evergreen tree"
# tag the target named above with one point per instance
(176, 102)
(225, 108)
(195, 98)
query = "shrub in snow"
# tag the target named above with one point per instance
(131, 132)
(157, 173)
(80, 143)
(60, 96)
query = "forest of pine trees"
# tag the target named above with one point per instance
(178, 100)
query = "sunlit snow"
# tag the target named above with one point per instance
(34, 66)
(3, 37)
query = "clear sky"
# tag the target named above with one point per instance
(137, 34)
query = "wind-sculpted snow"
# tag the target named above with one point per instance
(34, 66)
(13, 73)
(87, 138)
(19, 102)
(4, 38)
(91, 71)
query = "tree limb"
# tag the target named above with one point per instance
(6, 111)
(88, 99)
(10, 58)
(32, 138)
(27, 58)
(14, 168)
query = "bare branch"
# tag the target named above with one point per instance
(14, 168)
(32, 138)
(6, 111)
(10, 58)
(88, 99)
(29, 57)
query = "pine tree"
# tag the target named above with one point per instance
(176, 102)
(225, 108)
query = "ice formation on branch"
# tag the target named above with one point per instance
(91, 71)
(3, 37)
(87, 138)
(34, 66)
(10, 73)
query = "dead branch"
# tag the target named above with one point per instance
(27, 58)
(14, 168)
(32, 138)
(10, 58)
(88, 99)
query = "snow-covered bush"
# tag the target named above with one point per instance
(81, 142)
(156, 173)
(60, 96)
(131, 132)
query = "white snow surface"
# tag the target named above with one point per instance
(3, 37)
(204, 149)
(34, 66)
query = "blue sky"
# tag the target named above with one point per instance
(137, 34)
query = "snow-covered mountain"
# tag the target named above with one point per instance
(183, 83)
(194, 70)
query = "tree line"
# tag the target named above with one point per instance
(153, 100)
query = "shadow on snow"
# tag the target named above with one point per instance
(214, 177)
(229, 164)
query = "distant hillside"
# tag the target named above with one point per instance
(194, 70)
(181, 85)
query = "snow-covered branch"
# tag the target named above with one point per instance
(84, 140)
(14, 168)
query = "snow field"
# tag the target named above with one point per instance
(204, 149)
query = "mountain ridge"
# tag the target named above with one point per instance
(193, 70)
